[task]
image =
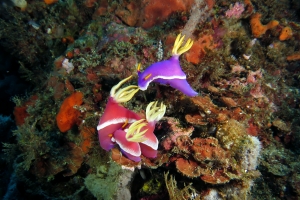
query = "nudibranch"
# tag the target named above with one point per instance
(169, 71)
(116, 116)
(139, 137)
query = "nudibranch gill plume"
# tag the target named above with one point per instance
(168, 72)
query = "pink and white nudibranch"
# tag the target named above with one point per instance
(168, 72)
(139, 137)
(115, 115)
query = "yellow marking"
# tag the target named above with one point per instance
(148, 76)
(110, 135)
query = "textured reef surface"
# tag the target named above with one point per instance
(150, 99)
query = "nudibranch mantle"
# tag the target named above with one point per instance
(169, 69)
(168, 72)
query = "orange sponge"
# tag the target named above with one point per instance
(258, 29)
(87, 138)
(286, 33)
(157, 11)
(68, 115)
(198, 50)
(148, 13)
(50, 1)
(295, 56)
(20, 112)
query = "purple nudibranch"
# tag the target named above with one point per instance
(169, 71)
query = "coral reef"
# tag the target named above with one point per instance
(221, 122)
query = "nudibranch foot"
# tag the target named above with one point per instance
(148, 151)
(106, 143)
(183, 86)
(131, 157)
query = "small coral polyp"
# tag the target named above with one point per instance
(133, 134)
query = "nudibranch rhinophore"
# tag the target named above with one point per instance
(168, 72)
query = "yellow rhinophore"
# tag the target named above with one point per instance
(177, 49)
(139, 67)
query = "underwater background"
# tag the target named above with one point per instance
(225, 76)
